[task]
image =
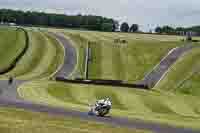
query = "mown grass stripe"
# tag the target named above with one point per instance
(12, 48)
(42, 58)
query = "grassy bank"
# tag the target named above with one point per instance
(129, 62)
(183, 76)
(42, 58)
(12, 43)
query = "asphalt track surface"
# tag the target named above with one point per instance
(159, 71)
(70, 59)
(137, 124)
(10, 98)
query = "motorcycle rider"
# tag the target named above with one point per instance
(104, 102)
(101, 105)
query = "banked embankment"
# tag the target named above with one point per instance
(18, 57)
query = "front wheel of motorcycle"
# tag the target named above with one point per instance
(103, 112)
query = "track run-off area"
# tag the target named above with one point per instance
(9, 96)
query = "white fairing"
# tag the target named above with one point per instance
(104, 102)
(108, 103)
(101, 108)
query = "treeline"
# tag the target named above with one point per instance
(178, 30)
(89, 22)
(126, 28)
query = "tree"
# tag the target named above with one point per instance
(124, 27)
(115, 26)
(134, 28)
(89, 22)
(180, 29)
(158, 29)
(167, 29)
(107, 27)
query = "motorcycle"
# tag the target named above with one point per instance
(99, 110)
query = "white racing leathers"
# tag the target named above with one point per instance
(101, 108)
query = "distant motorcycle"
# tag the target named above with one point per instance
(101, 107)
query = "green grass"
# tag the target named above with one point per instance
(129, 62)
(41, 60)
(12, 43)
(191, 85)
(183, 76)
(173, 101)
(19, 121)
(156, 106)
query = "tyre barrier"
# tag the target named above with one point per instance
(115, 83)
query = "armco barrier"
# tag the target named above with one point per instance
(116, 83)
(13, 64)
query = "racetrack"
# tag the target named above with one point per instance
(159, 71)
(137, 124)
(10, 98)
(70, 60)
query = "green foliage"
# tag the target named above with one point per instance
(107, 27)
(158, 29)
(178, 30)
(134, 28)
(165, 29)
(89, 22)
(124, 27)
